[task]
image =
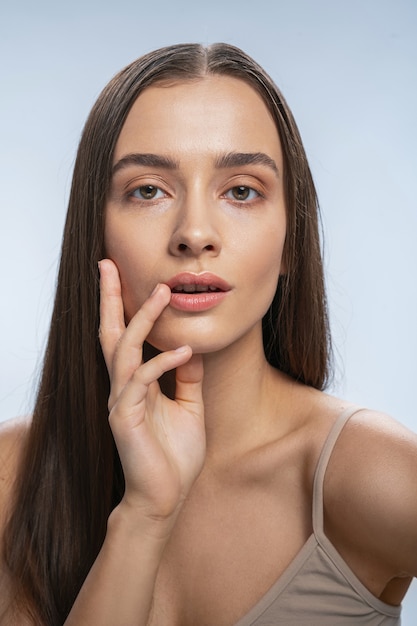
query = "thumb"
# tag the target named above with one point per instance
(189, 384)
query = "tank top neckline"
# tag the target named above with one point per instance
(318, 539)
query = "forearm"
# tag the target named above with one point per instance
(119, 588)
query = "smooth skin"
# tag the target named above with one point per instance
(219, 472)
(161, 441)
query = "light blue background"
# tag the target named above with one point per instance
(348, 70)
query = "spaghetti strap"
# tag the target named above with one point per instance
(322, 466)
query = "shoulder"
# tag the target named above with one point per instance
(371, 490)
(13, 435)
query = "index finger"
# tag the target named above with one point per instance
(112, 324)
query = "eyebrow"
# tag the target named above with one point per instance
(148, 160)
(228, 160)
(237, 159)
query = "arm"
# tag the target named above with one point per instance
(371, 502)
(119, 587)
(161, 443)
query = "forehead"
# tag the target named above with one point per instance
(211, 114)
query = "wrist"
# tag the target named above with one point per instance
(135, 522)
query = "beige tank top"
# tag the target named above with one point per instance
(318, 588)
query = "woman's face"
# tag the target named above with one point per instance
(197, 202)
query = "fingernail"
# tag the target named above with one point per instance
(182, 349)
(155, 290)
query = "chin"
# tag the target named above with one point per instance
(204, 334)
(200, 341)
(198, 346)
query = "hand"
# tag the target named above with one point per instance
(161, 442)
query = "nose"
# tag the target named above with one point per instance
(195, 233)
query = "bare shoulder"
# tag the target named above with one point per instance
(13, 435)
(12, 438)
(375, 452)
(371, 491)
(13, 431)
(377, 437)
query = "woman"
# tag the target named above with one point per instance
(174, 471)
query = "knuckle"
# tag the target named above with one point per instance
(111, 403)
(101, 335)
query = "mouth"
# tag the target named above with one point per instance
(190, 283)
(195, 288)
(197, 292)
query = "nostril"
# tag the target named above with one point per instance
(196, 248)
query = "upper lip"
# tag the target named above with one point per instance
(201, 282)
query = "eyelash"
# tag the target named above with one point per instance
(252, 194)
(243, 188)
(150, 189)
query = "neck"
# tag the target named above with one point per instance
(242, 395)
(245, 399)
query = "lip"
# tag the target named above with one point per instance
(197, 301)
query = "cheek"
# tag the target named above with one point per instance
(136, 263)
(262, 270)
(266, 258)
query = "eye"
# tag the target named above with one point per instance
(241, 193)
(147, 192)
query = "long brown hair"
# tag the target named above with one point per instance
(71, 476)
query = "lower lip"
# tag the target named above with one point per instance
(195, 302)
